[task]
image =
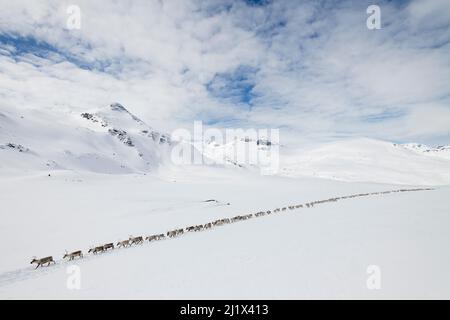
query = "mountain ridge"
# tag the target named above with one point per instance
(112, 140)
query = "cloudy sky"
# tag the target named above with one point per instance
(311, 68)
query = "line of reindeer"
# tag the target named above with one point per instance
(201, 227)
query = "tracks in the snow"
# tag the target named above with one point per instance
(29, 272)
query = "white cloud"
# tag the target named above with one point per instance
(319, 70)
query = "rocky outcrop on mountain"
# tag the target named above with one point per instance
(113, 121)
(122, 136)
(157, 137)
(94, 119)
(439, 151)
(263, 142)
(17, 147)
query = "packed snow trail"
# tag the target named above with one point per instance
(30, 272)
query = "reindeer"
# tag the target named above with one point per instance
(73, 255)
(98, 249)
(198, 228)
(136, 240)
(207, 226)
(42, 261)
(123, 243)
(155, 237)
(108, 246)
(221, 222)
(172, 233)
(237, 218)
(190, 229)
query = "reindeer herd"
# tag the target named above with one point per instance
(202, 227)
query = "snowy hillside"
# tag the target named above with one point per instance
(107, 140)
(202, 149)
(318, 252)
(359, 159)
(114, 141)
(439, 151)
(368, 160)
(239, 151)
(98, 193)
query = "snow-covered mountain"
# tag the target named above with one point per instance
(114, 141)
(243, 152)
(363, 159)
(107, 140)
(356, 159)
(439, 151)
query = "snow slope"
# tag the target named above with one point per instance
(439, 151)
(108, 140)
(366, 159)
(112, 140)
(356, 159)
(321, 252)
(70, 181)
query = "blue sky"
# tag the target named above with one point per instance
(309, 67)
(235, 87)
